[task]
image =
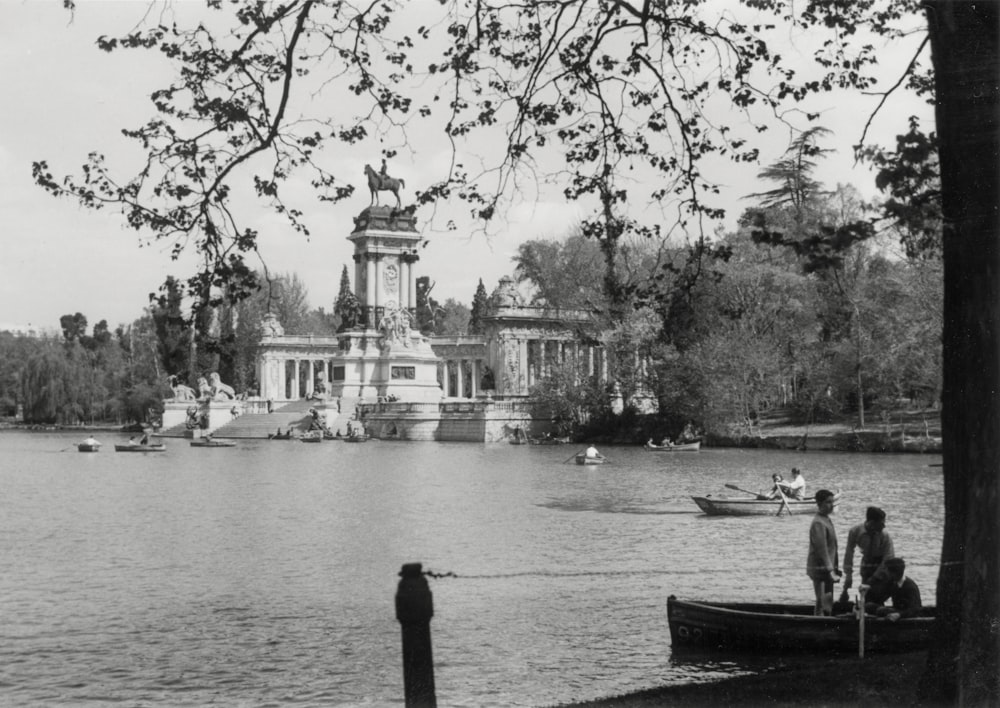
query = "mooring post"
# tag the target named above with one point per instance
(414, 609)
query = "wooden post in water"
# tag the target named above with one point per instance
(414, 609)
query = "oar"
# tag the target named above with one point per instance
(861, 622)
(572, 456)
(784, 502)
(745, 491)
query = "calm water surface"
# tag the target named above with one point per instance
(265, 574)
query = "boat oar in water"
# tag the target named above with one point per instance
(861, 621)
(784, 501)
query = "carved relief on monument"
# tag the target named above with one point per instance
(390, 279)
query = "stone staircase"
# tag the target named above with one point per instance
(293, 415)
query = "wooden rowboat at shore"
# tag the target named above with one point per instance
(749, 506)
(774, 627)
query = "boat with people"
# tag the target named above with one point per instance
(549, 440)
(139, 447)
(693, 446)
(212, 442)
(357, 438)
(754, 506)
(88, 446)
(759, 626)
(582, 459)
(312, 436)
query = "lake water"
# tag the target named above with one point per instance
(265, 575)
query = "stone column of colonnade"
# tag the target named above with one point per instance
(458, 366)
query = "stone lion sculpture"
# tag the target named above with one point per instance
(204, 390)
(181, 392)
(220, 391)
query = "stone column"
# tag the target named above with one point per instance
(411, 283)
(370, 290)
(310, 377)
(522, 373)
(542, 359)
(296, 391)
(475, 377)
(460, 378)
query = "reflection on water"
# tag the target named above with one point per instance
(265, 574)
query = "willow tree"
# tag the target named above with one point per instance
(619, 103)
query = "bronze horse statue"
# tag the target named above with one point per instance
(383, 183)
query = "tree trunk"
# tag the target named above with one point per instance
(964, 661)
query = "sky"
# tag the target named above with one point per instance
(61, 98)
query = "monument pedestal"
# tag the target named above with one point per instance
(377, 367)
(210, 415)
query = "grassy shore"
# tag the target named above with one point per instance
(876, 680)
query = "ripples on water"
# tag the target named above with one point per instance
(265, 574)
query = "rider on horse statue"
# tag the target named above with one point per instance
(381, 182)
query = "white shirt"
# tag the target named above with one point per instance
(797, 487)
(592, 452)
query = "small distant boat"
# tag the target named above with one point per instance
(88, 447)
(774, 627)
(549, 441)
(280, 436)
(357, 438)
(520, 438)
(749, 506)
(313, 436)
(211, 442)
(582, 459)
(693, 446)
(137, 447)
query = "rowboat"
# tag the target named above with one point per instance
(582, 459)
(679, 447)
(356, 438)
(88, 447)
(549, 441)
(209, 442)
(313, 436)
(160, 447)
(775, 627)
(748, 506)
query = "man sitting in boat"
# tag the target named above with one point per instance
(903, 592)
(145, 439)
(796, 489)
(592, 452)
(775, 492)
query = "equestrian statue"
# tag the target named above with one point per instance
(382, 182)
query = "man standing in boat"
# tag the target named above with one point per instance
(822, 565)
(875, 546)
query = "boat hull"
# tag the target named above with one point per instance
(747, 506)
(584, 460)
(85, 447)
(140, 448)
(680, 447)
(770, 627)
(212, 443)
